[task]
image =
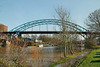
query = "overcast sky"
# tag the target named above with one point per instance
(16, 12)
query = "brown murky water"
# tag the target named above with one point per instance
(35, 57)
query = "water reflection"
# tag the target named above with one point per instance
(33, 56)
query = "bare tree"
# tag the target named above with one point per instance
(45, 38)
(64, 16)
(93, 24)
(93, 21)
(26, 36)
(34, 36)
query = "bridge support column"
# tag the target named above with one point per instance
(85, 40)
(20, 36)
(7, 36)
(81, 43)
(2, 35)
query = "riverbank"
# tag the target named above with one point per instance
(91, 60)
(67, 61)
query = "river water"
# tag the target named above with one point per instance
(32, 56)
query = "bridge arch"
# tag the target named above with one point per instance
(31, 24)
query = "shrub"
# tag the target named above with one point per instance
(90, 43)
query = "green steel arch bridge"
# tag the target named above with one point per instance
(31, 24)
(71, 28)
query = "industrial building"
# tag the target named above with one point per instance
(3, 28)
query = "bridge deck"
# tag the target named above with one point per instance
(48, 32)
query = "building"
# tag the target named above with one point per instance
(3, 27)
(34, 40)
(37, 41)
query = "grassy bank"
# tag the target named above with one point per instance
(91, 60)
(66, 59)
